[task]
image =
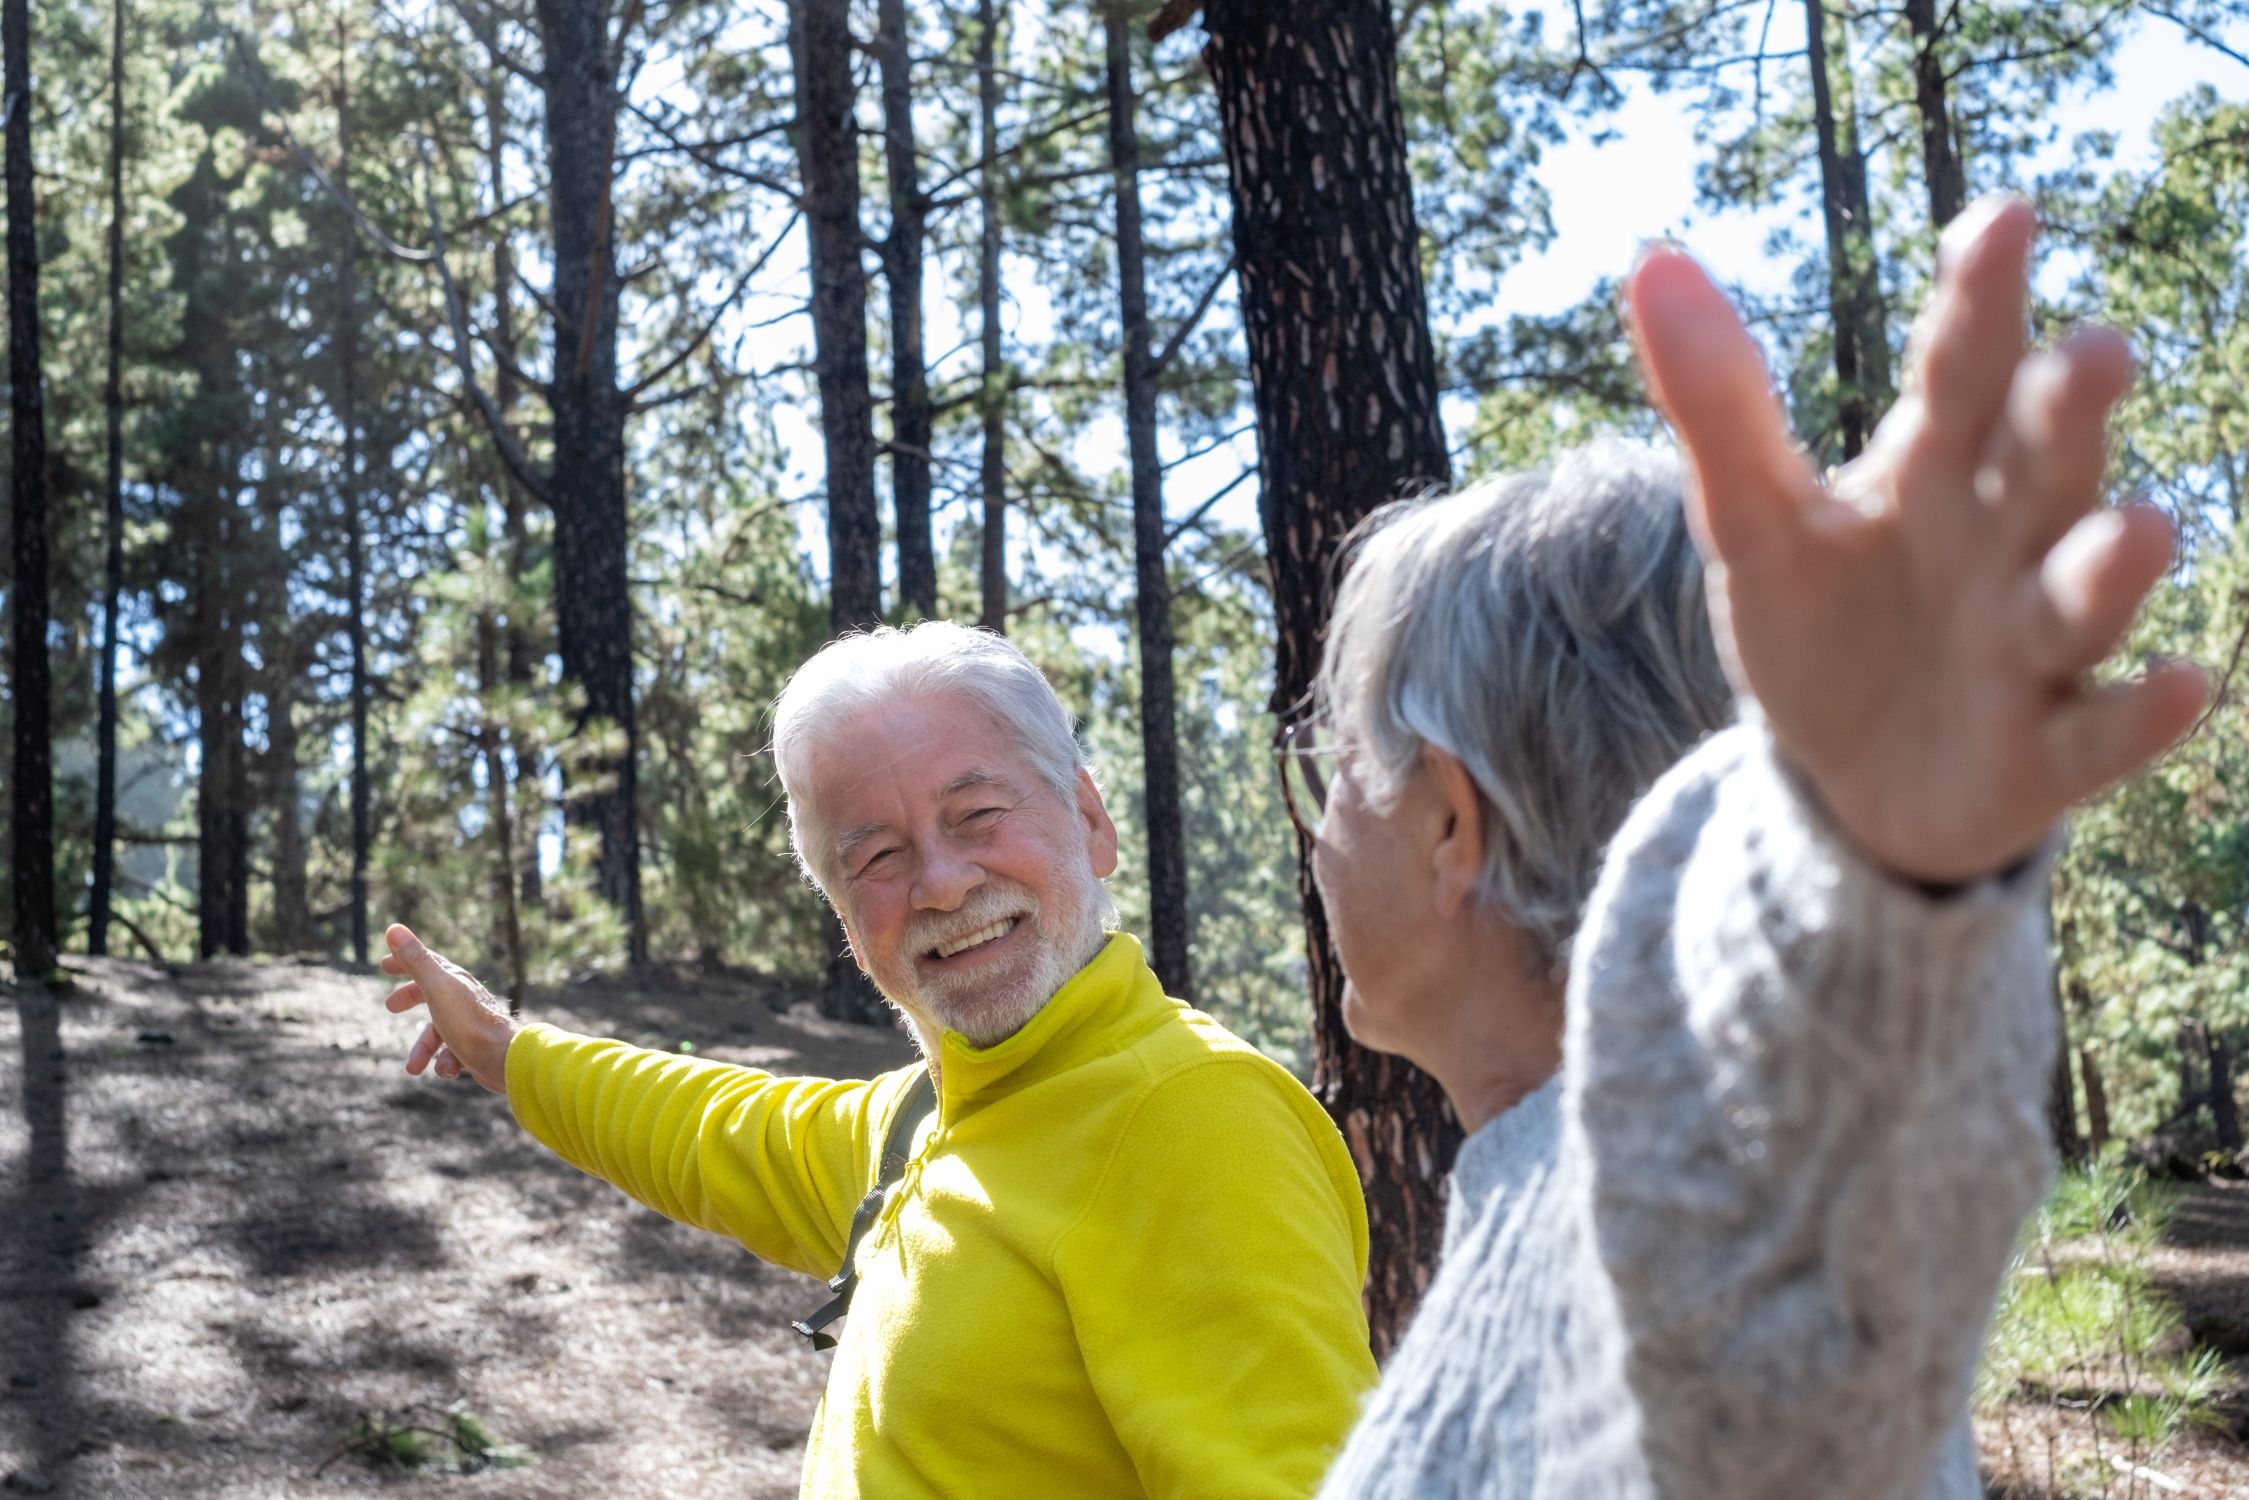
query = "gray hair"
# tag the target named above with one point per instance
(934, 658)
(1549, 631)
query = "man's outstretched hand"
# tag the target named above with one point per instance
(468, 1031)
(1918, 636)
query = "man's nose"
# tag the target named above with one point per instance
(947, 876)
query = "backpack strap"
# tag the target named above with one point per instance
(897, 1149)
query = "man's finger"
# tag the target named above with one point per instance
(1751, 482)
(390, 963)
(447, 1064)
(2106, 733)
(2079, 602)
(2045, 466)
(425, 1047)
(408, 950)
(404, 998)
(1972, 336)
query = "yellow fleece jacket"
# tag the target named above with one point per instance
(1124, 1260)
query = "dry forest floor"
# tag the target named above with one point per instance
(236, 1239)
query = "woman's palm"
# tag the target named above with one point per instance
(1917, 635)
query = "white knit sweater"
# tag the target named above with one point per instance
(1748, 1243)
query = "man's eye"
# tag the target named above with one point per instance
(982, 815)
(876, 861)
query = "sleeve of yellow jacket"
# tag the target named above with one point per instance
(1214, 1278)
(776, 1163)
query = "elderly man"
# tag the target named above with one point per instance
(1123, 1253)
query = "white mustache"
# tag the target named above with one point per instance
(985, 906)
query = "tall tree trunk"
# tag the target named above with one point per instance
(113, 507)
(222, 822)
(2225, 1112)
(911, 416)
(586, 483)
(2061, 1098)
(292, 920)
(1345, 383)
(2096, 1102)
(1168, 925)
(507, 921)
(2191, 1041)
(828, 155)
(355, 524)
(524, 650)
(1940, 154)
(992, 399)
(32, 827)
(1862, 351)
(827, 141)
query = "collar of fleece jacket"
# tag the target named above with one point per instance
(1105, 1007)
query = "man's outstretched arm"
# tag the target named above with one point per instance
(777, 1164)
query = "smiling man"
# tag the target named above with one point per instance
(1122, 1253)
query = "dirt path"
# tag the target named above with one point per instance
(230, 1227)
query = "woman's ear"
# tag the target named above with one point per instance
(1457, 857)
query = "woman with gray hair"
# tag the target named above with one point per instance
(1751, 1045)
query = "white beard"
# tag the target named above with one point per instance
(987, 1009)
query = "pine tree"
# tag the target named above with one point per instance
(32, 846)
(1329, 259)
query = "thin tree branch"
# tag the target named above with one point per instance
(1202, 306)
(511, 449)
(633, 392)
(1203, 509)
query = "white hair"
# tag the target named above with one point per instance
(931, 659)
(1549, 631)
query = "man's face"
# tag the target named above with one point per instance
(971, 891)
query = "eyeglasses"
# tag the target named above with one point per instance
(1306, 749)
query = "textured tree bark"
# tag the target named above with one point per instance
(507, 922)
(2225, 1110)
(222, 825)
(586, 483)
(355, 521)
(911, 416)
(1169, 931)
(992, 399)
(292, 913)
(2061, 1098)
(1345, 385)
(1862, 350)
(32, 830)
(524, 649)
(113, 509)
(1940, 156)
(2096, 1101)
(827, 141)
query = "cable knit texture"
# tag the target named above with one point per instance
(1748, 1243)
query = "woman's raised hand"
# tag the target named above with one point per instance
(468, 1030)
(1918, 635)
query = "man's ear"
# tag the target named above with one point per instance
(1100, 829)
(1456, 859)
(851, 940)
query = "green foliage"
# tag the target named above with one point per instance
(419, 1440)
(2083, 1342)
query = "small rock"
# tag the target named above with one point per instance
(28, 1482)
(155, 1038)
(85, 1301)
(24, 1382)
